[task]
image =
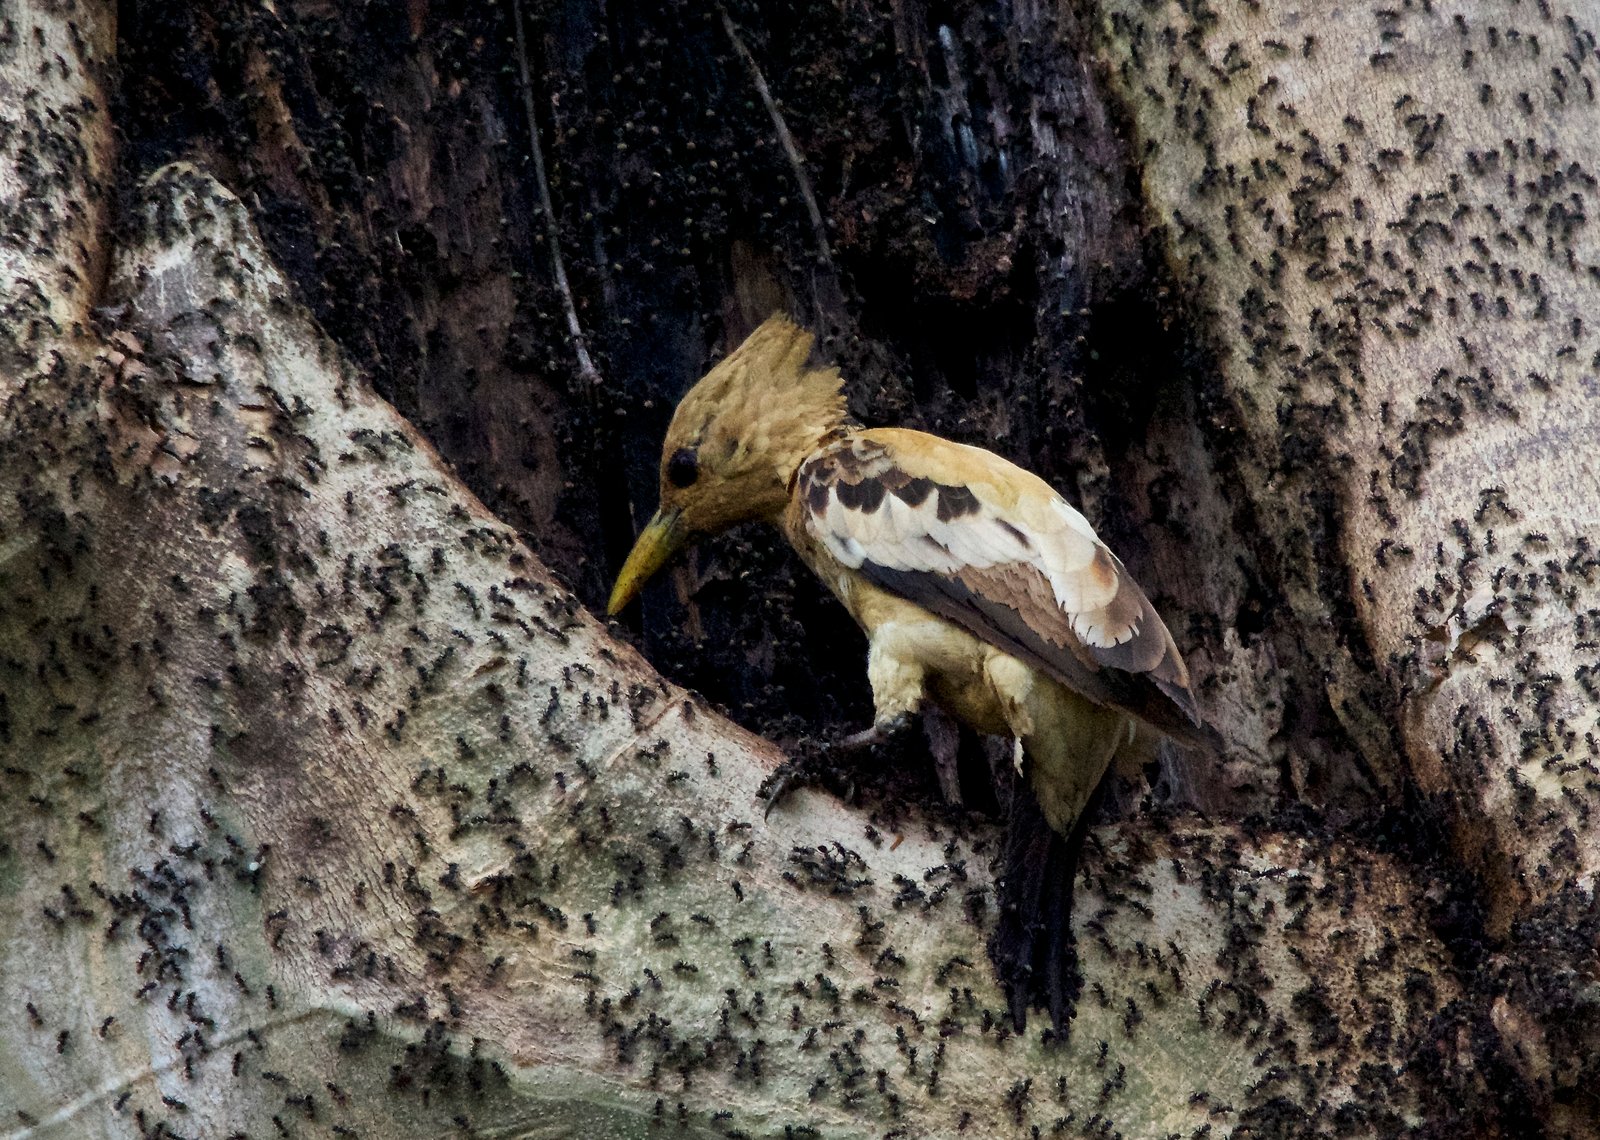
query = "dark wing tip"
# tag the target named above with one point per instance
(1195, 733)
(1151, 654)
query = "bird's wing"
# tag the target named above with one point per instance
(983, 543)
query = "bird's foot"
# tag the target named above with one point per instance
(813, 764)
(810, 766)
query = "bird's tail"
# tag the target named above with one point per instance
(1068, 743)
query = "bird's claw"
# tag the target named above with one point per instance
(801, 771)
(811, 767)
(778, 785)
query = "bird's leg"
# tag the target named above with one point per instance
(881, 732)
(896, 695)
(944, 740)
(897, 687)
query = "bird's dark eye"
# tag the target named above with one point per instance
(683, 468)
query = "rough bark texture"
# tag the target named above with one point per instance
(1383, 219)
(325, 804)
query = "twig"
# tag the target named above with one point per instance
(580, 348)
(785, 139)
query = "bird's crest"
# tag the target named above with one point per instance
(763, 402)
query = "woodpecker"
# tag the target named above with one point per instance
(980, 589)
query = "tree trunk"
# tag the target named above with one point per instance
(338, 345)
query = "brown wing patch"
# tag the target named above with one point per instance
(914, 492)
(851, 463)
(865, 496)
(861, 471)
(955, 502)
(1018, 602)
(816, 494)
(1103, 572)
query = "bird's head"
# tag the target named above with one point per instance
(734, 445)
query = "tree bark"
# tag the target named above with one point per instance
(1392, 258)
(325, 803)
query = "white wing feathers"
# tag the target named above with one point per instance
(949, 529)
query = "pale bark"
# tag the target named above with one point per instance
(330, 744)
(325, 806)
(54, 191)
(1381, 217)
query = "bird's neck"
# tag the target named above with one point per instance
(804, 442)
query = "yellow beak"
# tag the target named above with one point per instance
(662, 537)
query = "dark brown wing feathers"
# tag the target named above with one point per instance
(1154, 693)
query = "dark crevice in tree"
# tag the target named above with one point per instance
(977, 295)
